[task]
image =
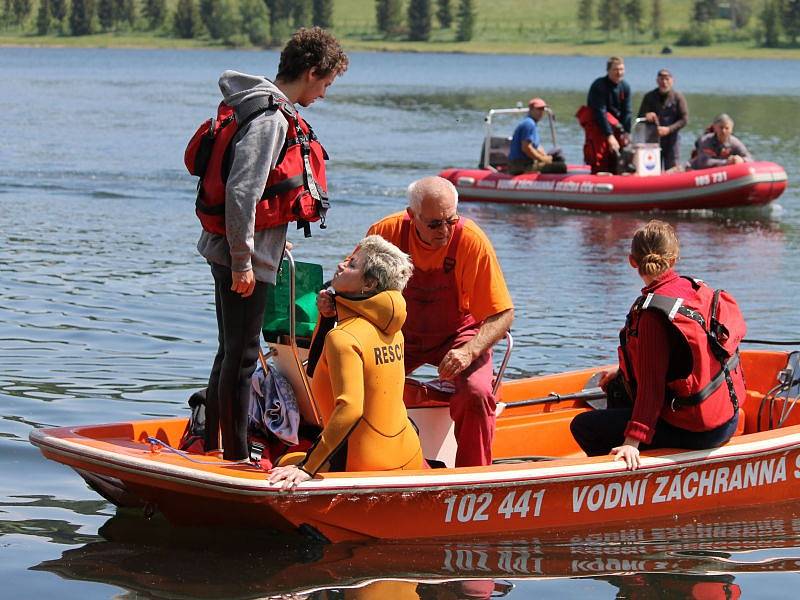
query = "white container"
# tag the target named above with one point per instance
(647, 159)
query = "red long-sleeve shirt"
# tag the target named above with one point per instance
(663, 356)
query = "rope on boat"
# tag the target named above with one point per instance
(787, 383)
(157, 442)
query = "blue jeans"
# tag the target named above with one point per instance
(598, 431)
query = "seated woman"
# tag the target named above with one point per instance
(679, 361)
(719, 147)
(360, 375)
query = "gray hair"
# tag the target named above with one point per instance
(385, 264)
(724, 119)
(429, 186)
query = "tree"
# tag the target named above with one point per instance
(58, 8)
(255, 21)
(155, 12)
(301, 13)
(466, 21)
(704, 10)
(657, 20)
(22, 10)
(388, 14)
(791, 19)
(609, 13)
(443, 13)
(419, 20)
(186, 19)
(105, 14)
(322, 13)
(770, 19)
(280, 14)
(125, 12)
(80, 17)
(634, 14)
(43, 18)
(585, 15)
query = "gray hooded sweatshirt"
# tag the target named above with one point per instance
(256, 148)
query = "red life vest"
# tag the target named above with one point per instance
(712, 326)
(296, 188)
(596, 152)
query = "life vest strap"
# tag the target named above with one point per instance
(724, 374)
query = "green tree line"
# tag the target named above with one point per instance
(778, 21)
(417, 22)
(233, 22)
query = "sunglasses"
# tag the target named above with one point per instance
(437, 223)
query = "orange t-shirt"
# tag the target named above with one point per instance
(481, 285)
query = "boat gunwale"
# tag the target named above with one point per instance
(495, 476)
(626, 198)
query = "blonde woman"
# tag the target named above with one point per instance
(678, 359)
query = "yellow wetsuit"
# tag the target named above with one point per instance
(358, 385)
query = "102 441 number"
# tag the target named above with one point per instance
(477, 507)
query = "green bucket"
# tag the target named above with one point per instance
(308, 282)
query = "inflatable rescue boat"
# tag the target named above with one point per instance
(645, 187)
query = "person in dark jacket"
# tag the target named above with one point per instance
(719, 147)
(667, 109)
(606, 118)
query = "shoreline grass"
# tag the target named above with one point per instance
(525, 27)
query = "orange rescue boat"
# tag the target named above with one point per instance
(541, 481)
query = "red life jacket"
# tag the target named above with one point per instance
(712, 326)
(596, 152)
(296, 188)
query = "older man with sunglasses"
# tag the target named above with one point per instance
(458, 306)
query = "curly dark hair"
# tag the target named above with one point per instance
(312, 48)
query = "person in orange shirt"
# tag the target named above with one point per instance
(358, 380)
(458, 306)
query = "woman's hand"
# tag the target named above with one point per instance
(326, 304)
(629, 453)
(290, 475)
(606, 377)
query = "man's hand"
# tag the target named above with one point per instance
(613, 143)
(454, 362)
(325, 304)
(735, 159)
(244, 282)
(663, 131)
(651, 117)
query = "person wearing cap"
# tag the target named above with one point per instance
(526, 153)
(667, 109)
(606, 118)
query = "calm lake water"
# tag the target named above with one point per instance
(106, 310)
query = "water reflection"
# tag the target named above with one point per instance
(684, 557)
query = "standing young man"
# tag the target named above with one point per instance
(606, 117)
(242, 240)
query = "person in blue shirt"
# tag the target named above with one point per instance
(526, 153)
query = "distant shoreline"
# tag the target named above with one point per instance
(141, 42)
